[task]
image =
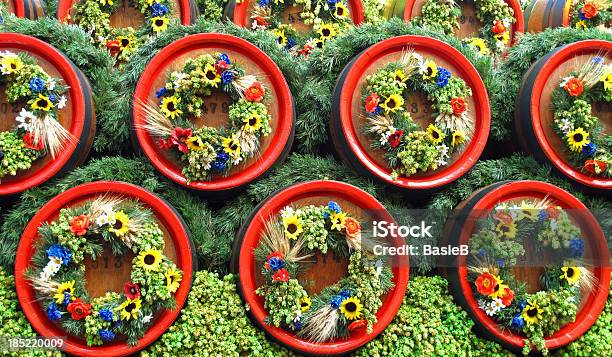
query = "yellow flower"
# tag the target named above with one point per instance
(42, 103)
(528, 211)
(120, 225)
(435, 134)
(281, 39)
(326, 31)
(607, 81)
(211, 77)
(503, 37)
(506, 230)
(499, 289)
(351, 308)
(149, 259)
(571, 275)
(170, 107)
(106, 2)
(479, 44)
(252, 123)
(399, 76)
(429, 70)
(159, 23)
(577, 139)
(581, 25)
(338, 221)
(341, 10)
(457, 138)
(11, 64)
(124, 41)
(129, 309)
(393, 103)
(293, 226)
(195, 143)
(173, 279)
(66, 287)
(532, 313)
(231, 146)
(305, 303)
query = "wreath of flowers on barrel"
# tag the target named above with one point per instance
(40, 96)
(94, 17)
(496, 16)
(408, 148)
(591, 13)
(327, 17)
(500, 241)
(57, 272)
(206, 151)
(338, 310)
(583, 133)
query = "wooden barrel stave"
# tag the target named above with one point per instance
(29, 9)
(543, 14)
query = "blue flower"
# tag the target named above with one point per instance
(227, 76)
(542, 215)
(37, 84)
(159, 9)
(334, 206)
(276, 263)
(53, 312)
(291, 42)
(106, 335)
(589, 149)
(222, 156)
(336, 301)
(345, 294)
(52, 98)
(482, 253)
(377, 111)
(326, 215)
(264, 3)
(500, 262)
(597, 60)
(218, 165)
(67, 299)
(297, 325)
(581, 15)
(59, 251)
(518, 322)
(161, 92)
(521, 306)
(224, 57)
(332, 3)
(443, 76)
(576, 247)
(106, 315)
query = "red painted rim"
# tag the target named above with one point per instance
(219, 41)
(25, 293)
(518, 26)
(562, 55)
(75, 94)
(596, 301)
(240, 17)
(64, 6)
(466, 70)
(272, 206)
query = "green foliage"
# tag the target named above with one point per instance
(15, 155)
(212, 10)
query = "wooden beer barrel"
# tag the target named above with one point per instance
(534, 116)
(322, 270)
(541, 14)
(29, 9)
(109, 272)
(460, 229)
(77, 116)
(349, 119)
(273, 148)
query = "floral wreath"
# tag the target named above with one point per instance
(494, 251)
(94, 17)
(207, 150)
(496, 15)
(590, 13)
(409, 149)
(328, 18)
(589, 148)
(39, 96)
(58, 271)
(348, 305)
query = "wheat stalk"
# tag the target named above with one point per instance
(322, 325)
(52, 134)
(156, 123)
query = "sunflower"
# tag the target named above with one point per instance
(11, 64)
(159, 23)
(130, 308)
(577, 139)
(399, 76)
(503, 37)
(124, 41)
(195, 143)
(211, 77)
(173, 278)
(458, 137)
(528, 211)
(281, 39)
(393, 103)
(480, 45)
(149, 259)
(341, 10)
(293, 226)
(499, 290)
(429, 70)
(606, 79)
(338, 220)
(532, 313)
(305, 303)
(571, 275)
(170, 107)
(326, 31)
(120, 225)
(581, 25)
(435, 134)
(42, 102)
(231, 146)
(252, 123)
(351, 308)
(64, 288)
(506, 230)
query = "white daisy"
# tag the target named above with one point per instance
(51, 84)
(287, 212)
(482, 304)
(442, 150)
(25, 119)
(107, 217)
(490, 310)
(146, 319)
(178, 77)
(62, 102)
(497, 304)
(565, 125)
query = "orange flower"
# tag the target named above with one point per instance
(255, 92)
(79, 224)
(459, 106)
(498, 27)
(486, 283)
(357, 325)
(353, 228)
(508, 297)
(28, 140)
(589, 10)
(79, 309)
(574, 86)
(371, 102)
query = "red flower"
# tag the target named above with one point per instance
(498, 27)
(357, 325)
(508, 297)
(395, 138)
(281, 275)
(79, 309)
(486, 283)
(459, 106)
(131, 290)
(260, 21)
(353, 228)
(164, 144)
(221, 66)
(574, 86)
(178, 138)
(594, 166)
(371, 102)
(589, 11)
(28, 139)
(79, 224)
(503, 217)
(306, 50)
(113, 47)
(255, 92)
(553, 212)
